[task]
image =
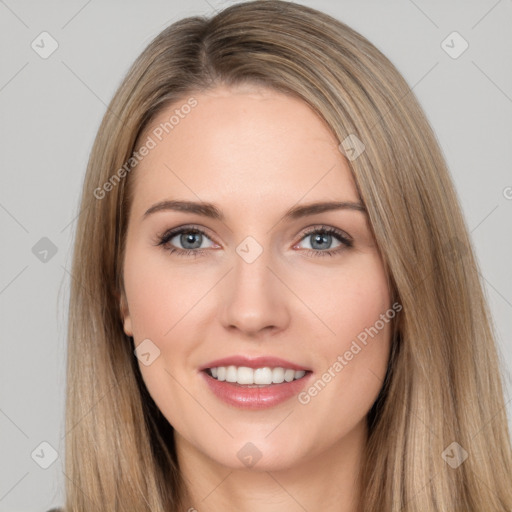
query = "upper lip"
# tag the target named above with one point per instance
(254, 362)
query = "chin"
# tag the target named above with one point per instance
(259, 455)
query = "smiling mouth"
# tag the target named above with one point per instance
(255, 377)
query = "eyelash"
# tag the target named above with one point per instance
(162, 240)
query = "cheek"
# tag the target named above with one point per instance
(354, 297)
(162, 302)
(158, 295)
(353, 353)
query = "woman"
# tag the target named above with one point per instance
(215, 362)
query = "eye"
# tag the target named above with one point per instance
(189, 237)
(322, 236)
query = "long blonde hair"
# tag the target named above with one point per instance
(443, 384)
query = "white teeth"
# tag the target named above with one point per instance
(260, 376)
(221, 373)
(263, 376)
(289, 375)
(231, 374)
(245, 375)
(278, 375)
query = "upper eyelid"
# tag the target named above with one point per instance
(319, 227)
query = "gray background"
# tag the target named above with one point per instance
(51, 109)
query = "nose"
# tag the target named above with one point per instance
(254, 297)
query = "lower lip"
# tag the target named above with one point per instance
(245, 397)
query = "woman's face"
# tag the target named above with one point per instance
(261, 295)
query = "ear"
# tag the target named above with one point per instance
(125, 314)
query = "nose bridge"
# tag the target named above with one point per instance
(251, 267)
(255, 298)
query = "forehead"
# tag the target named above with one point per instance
(246, 146)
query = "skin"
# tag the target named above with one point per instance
(255, 153)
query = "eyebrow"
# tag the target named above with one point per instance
(213, 212)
